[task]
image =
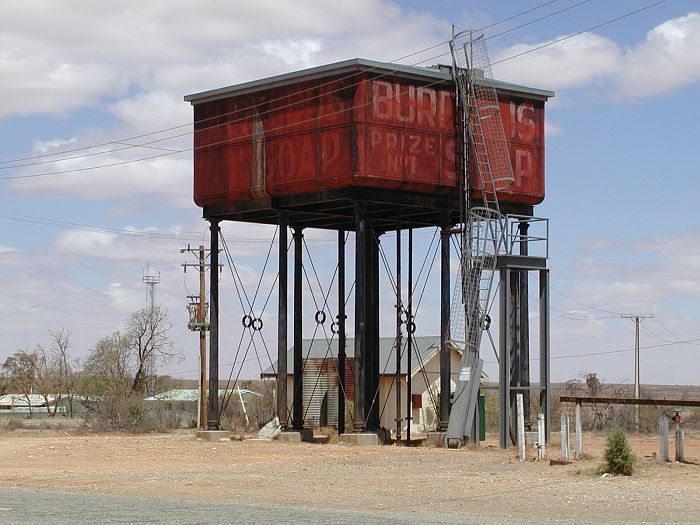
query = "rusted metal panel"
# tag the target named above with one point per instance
(384, 131)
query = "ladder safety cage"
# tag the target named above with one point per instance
(484, 231)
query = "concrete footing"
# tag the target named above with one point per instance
(214, 435)
(361, 439)
(436, 439)
(296, 436)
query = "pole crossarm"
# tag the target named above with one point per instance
(630, 401)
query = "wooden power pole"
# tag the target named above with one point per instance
(637, 318)
(198, 322)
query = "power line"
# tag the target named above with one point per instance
(610, 352)
(247, 108)
(174, 152)
(172, 128)
(56, 223)
(556, 41)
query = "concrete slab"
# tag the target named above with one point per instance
(360, 439)
(436, 439)
(214, 435)
(289, 437)
(296, 436)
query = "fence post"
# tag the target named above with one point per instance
(663, 438)
(540, 436)
(564, 437)
(680, 446)
(579, 433)
(521, 427)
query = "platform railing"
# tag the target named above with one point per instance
(535, 240)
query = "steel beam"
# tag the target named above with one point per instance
(504, 360)
(341, 332)
(524, 324)
(282, 319)
(373, 401)
(298, 406)
(445, 371)
(397, 377)
(409, 338)
(213, 400)
(545, 396)
(361, 321)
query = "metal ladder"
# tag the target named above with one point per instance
(483, 231)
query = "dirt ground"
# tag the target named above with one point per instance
(488, 481)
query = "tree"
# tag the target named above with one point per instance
(47, 380)
(106, 382)
(618, 455)
(21, 372)
(63, 366)
(150, 343)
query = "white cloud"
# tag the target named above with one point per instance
(293, 53)
(571, 63)
(169, 51)
(666, 60)
(552, 128)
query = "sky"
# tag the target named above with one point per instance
(90, 82)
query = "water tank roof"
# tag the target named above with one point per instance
(438, 73)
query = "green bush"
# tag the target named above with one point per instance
(618, 455)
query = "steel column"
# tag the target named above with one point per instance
(514, 343)
(445, 371)
(373, 366)
(341, 332)
(282, 319)
(397, 378)
(213, 400)
(298, 408)
(545, 402)
(524, 324)
(409, 338)
(361, 322)
(504, 360)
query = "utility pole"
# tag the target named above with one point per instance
(637, 318)
(198, 322)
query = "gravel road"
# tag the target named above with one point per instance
(56, 478)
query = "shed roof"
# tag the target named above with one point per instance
(438, 73)
(423, 349)
(20, 400)
(191, 394)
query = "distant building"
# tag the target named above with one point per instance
(320, 381)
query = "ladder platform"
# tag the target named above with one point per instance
(521, 262)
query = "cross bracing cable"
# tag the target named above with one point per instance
(248, 108)
(250, 309)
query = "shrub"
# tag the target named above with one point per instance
(618, 455)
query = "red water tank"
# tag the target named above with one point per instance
(356, 123)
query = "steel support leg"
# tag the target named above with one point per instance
(361, 322)
(445, 368)
(213, 400)
(504, 360)
(341, 332)
(397, 376)
(545, 404)
(409, 338)
(298, 408)
(373, 400)
(524, 324)
(282, 325)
